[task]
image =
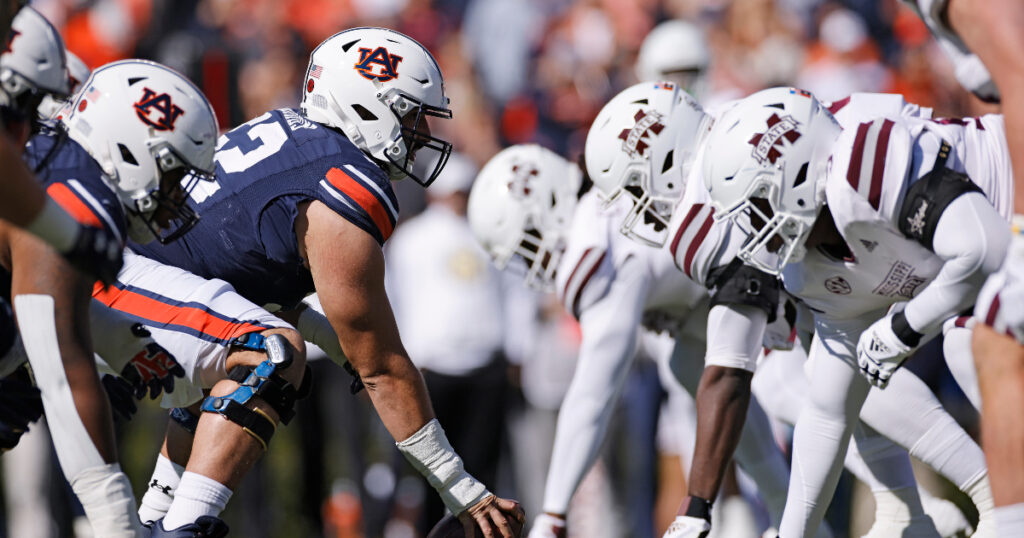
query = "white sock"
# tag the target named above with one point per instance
(107, 498)
(160, 490)
(196, 496)
(1010, 520)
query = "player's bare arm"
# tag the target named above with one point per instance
(348, 271)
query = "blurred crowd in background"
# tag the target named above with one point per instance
(516, 71)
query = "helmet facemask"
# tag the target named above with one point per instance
(165, 211)
(412, 116)
(775, 238)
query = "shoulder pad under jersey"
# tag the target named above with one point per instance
(867, 173)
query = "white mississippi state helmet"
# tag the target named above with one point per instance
(521, 204)
(152, 131)
(642, 146)
(765, 165)
(51, 105)
(379, 87)
(33, 64)
(675, 50)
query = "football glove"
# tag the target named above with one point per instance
(688, 527)
(20, 404)
(880, 351)
(97, 253)
(153, 368)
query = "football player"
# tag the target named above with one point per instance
(885, 231)
(51, 301)
(625, 153)
(302, 204)
(512, 214)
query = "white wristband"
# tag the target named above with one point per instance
(55, 226)
(430, 453)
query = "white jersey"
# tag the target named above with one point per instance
(969, 70)
(595, 255)
(870, 170)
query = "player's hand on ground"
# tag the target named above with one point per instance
(152, 369)
(97, 253)
(492, 515)
(880, 352)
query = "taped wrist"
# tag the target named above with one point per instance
(430, 453)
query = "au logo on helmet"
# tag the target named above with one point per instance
(157, 110)
(767, 144)
(378, 64)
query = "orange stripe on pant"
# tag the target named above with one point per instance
(73, 205)
(194, 318)
(364, 198)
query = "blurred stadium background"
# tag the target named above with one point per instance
(516, 71)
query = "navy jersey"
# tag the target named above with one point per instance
(266, 168)
(75, 180)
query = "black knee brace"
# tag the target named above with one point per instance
(262, 381)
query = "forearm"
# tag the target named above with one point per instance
(972, 239)
(722, 400)
(113, 340)
(399, 395)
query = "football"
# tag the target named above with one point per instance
(451, 527)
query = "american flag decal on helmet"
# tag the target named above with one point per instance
(315, 70)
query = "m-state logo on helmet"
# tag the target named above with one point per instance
(380, 88)
(765, 160)
(642, 146)
(153, 133)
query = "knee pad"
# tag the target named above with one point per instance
(264, 382)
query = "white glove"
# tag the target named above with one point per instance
(688, 527)
(547, 526)
(880, 352)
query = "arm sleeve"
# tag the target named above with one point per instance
(112, 335)
(735, 336)
(609, 339)
(972, 238)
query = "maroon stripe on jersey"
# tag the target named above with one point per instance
(583, 285)
(961, 321)
(836, 106)
(853, 173)
(993, 310)
(695, 244)
(572, 276)
(694, 209)
(878, 171)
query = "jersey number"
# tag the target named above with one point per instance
(267, 132)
